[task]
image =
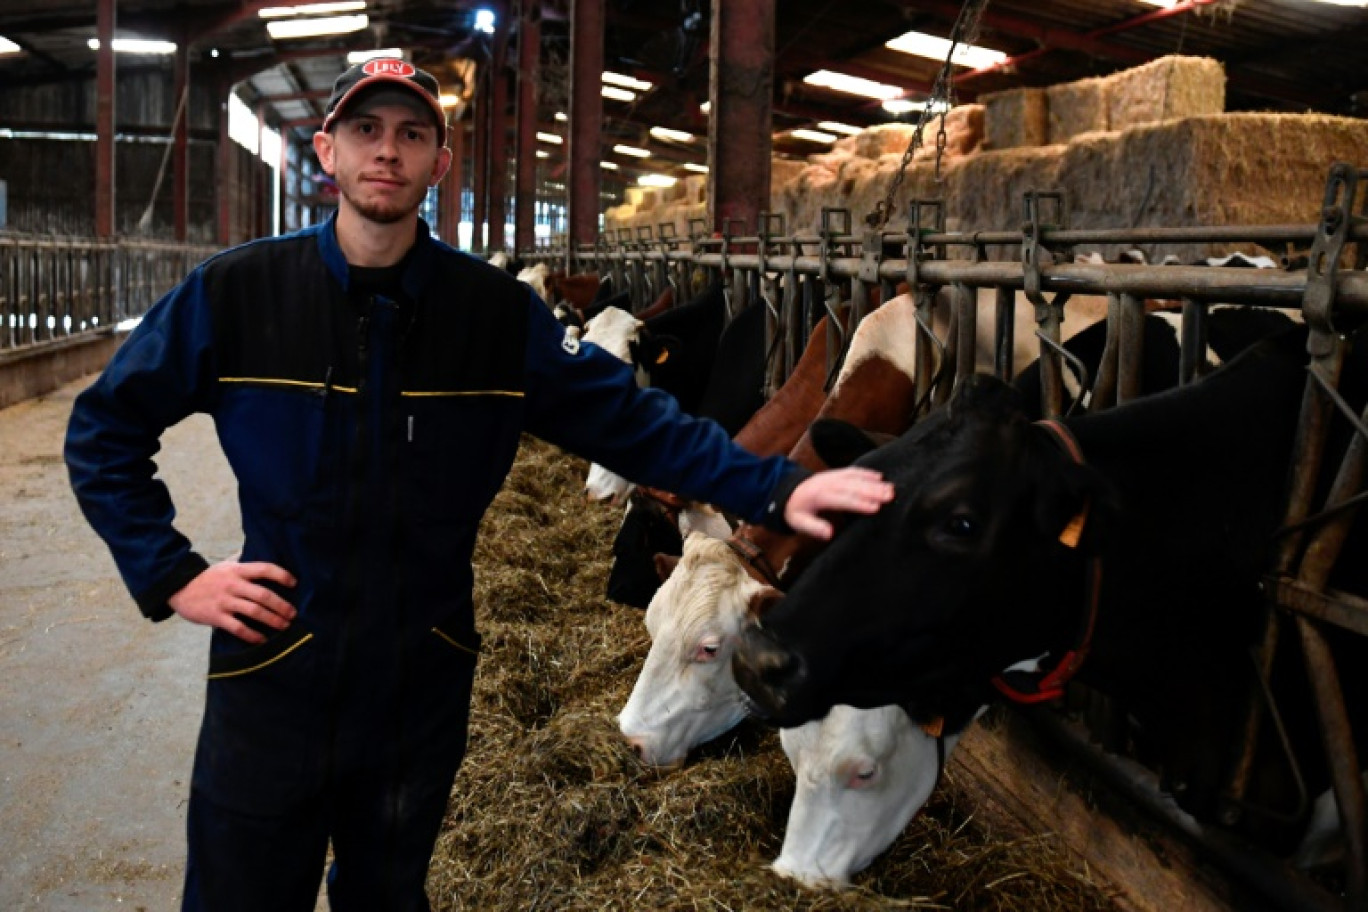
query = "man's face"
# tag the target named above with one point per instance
(383, 159)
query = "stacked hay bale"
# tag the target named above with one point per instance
(1145, 146)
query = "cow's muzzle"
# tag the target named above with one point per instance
(766, 671)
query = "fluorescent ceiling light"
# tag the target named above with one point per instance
(632, 151)
(699, 169)
(1358, 3)
(550, 138)
(136, 46)
(8, 47)
(448, 100)
(920, 44)
(673, 135)
(907, 105)
(355, 57)
(1166, 4)
(853, 85)
(657, 180)
(608, 166)
(311, 9)
(706, 107)
(560, 115)
(484, 21)
(309, 28)
(618, 94)
(832, 126)
(813, 136)
(542, 153)
(627, 82)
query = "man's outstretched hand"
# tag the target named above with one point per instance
(849, 490)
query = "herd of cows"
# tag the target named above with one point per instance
(1125, 547)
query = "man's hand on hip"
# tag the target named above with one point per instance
(228, 592)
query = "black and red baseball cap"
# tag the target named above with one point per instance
(391, 80)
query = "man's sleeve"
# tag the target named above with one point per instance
(161, 373)
(585, 400)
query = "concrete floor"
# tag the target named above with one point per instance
(99, 708)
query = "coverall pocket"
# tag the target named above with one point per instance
(446, 673)
(259, 746)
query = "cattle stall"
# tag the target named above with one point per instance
(1318, 276)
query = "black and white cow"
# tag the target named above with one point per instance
(1137, 538)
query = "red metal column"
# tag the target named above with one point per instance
(451, 185)
(529, 59)
(498, 136)
(104, 119)
(586, 119)
(225, 170)
(480, 161)
(741, 47)
(180, 153)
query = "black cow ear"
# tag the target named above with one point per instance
(761, 601)
(1075, 506)
(984, 393)
(839, 443)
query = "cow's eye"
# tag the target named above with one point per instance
(863, 777)
(961, 526)
(707, 651)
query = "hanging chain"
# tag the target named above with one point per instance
(942, 90)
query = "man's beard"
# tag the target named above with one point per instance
(396, 210)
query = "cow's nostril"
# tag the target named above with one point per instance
(638, 748)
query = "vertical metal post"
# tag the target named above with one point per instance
(529, 60)
(498, 137)
(1004, 332)
(586, 119)
(741, 92)
(180, 153)
(105, 17)
(1131, 353)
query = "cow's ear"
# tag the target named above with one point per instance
(984, 393)
(665, 564)
(762, 600)
(1075, 506)
(839, 443)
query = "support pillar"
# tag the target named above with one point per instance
(498, 136)
(480, 161)
(226, 182)
(741, 48)
(105, 16)
(586, 120)
(450, 195)
(180, 152)
(529, 59)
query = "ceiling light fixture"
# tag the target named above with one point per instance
(617, 94)
(550, 138)
(697, 169)
(311, 9)
(355, 57)
(657, 180)
(632, 151)
(852, 85)
(672, 135)
(627, 82)
(484, 21)
(8, 47)
(813, 136)
(920, 44)
(608, 166)
(833, 126)
(311, 28)
(136, 46)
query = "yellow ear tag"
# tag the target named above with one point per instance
(934, 728)
(1074, 530)
(663, 356)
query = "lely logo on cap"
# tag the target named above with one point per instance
(386, 67)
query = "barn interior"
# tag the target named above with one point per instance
(657, 142)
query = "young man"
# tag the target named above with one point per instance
(369, 386)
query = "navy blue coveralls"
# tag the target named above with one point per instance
(368, 436)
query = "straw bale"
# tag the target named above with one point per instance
(985, 191)
(1015, 118)
(963, 134)
(632, 196)
(876, 140)
(551, 809)
(1077, 107)
(1169, 88)
(696, 188)
(1241, 168)
(783, 172)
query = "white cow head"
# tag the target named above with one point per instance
(686, 694)
(613, 330)
(536, 277)
(862, 774)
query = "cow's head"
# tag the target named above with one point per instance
(861, 774)
(961, 576)
(686, 694)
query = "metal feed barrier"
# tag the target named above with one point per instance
(797, 279)
(56, 290)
